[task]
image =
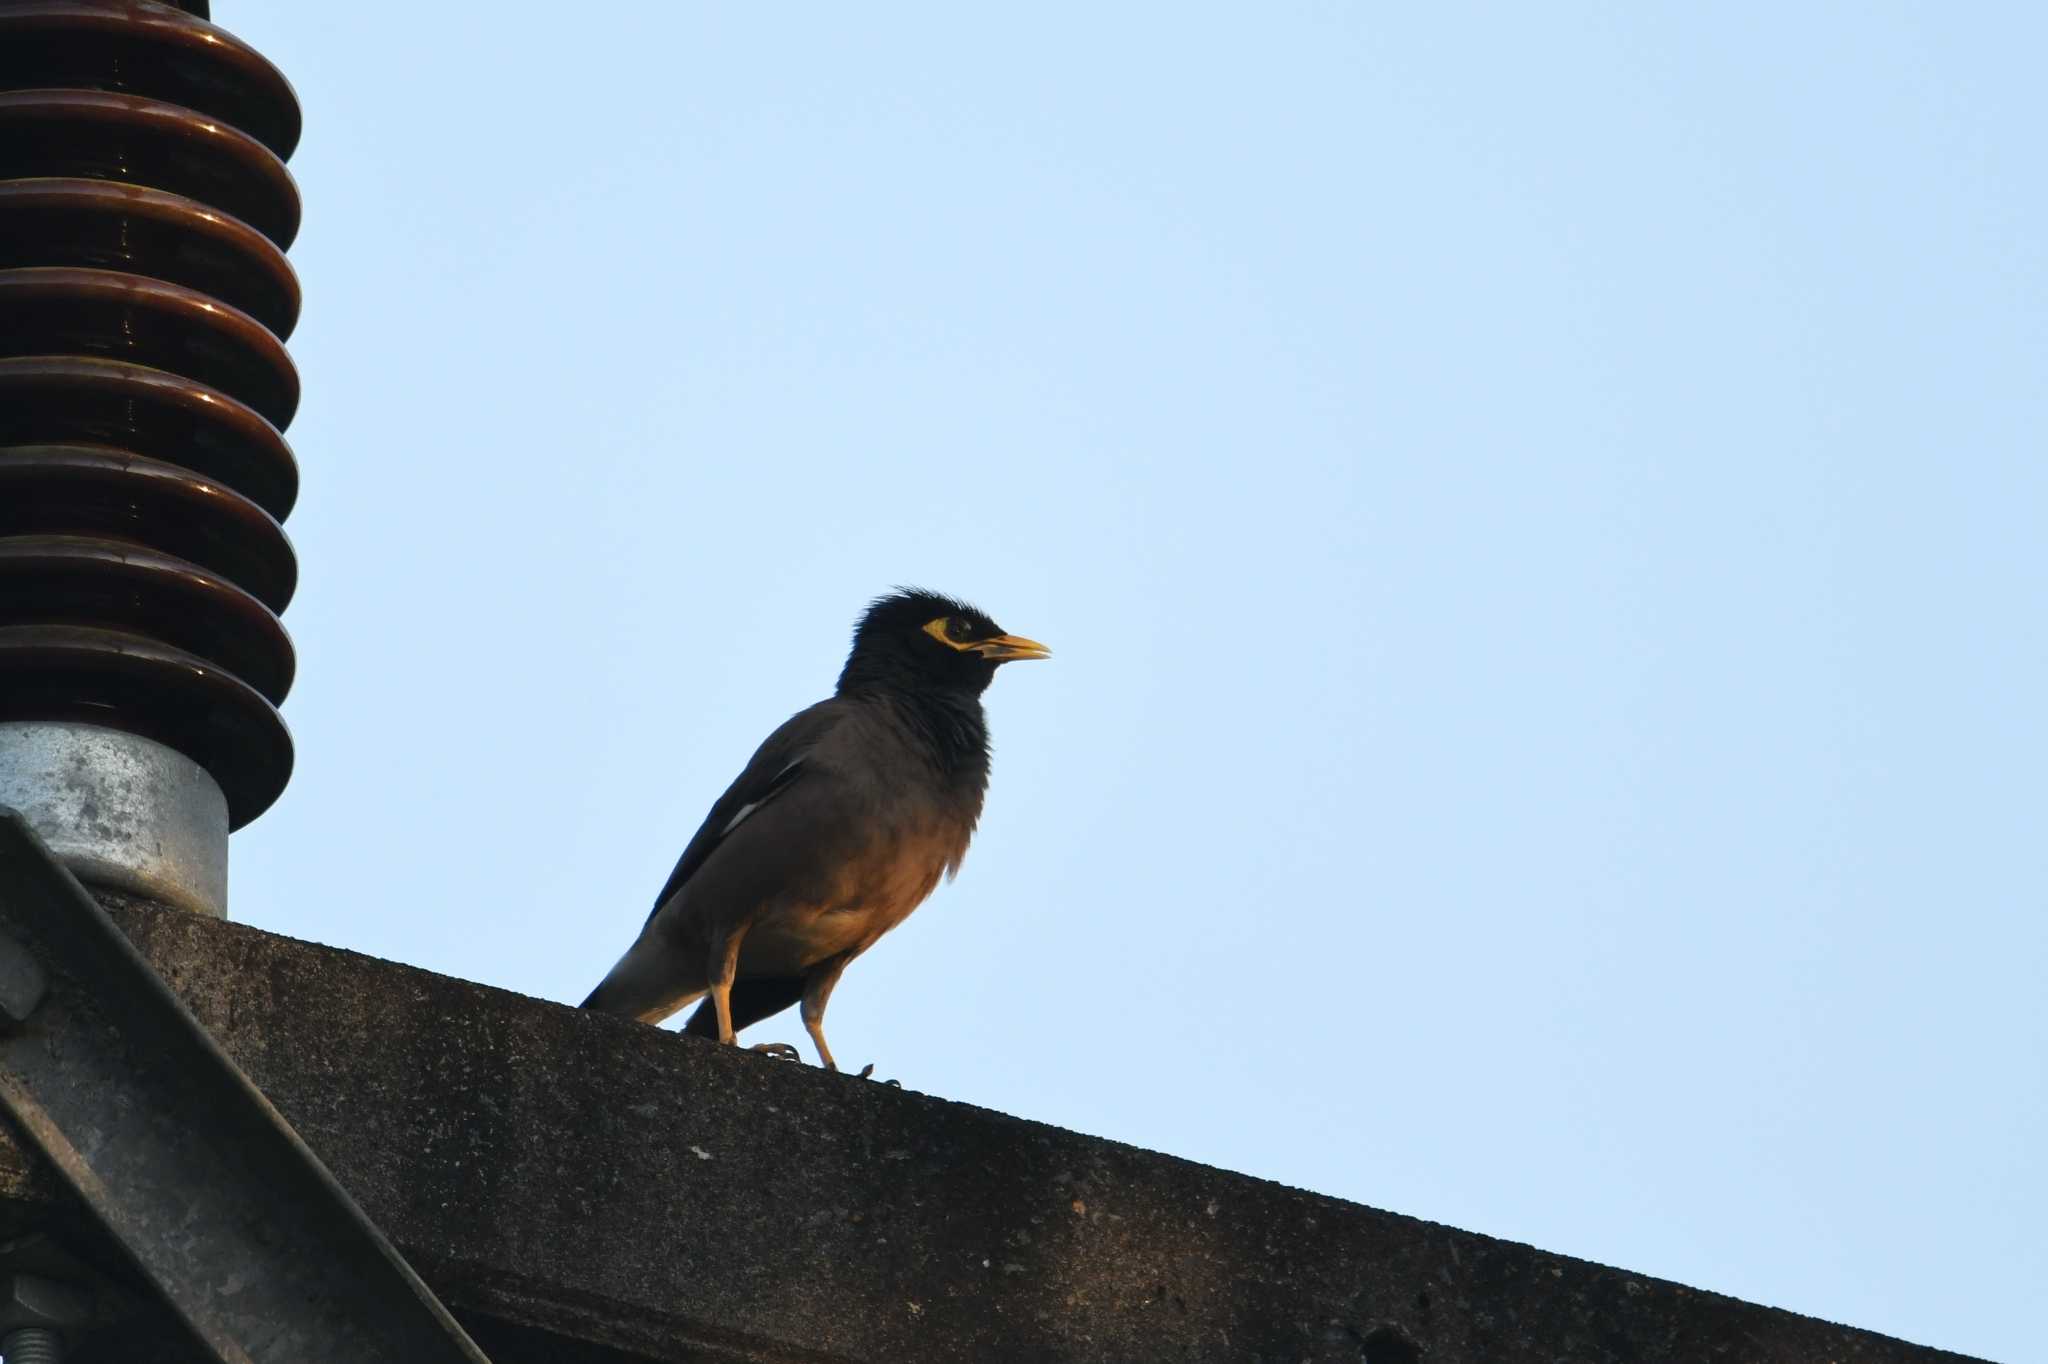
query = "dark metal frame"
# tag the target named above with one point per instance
(227, 1212)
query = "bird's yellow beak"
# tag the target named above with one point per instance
(1009, 648)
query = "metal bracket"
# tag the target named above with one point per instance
(231, 1217)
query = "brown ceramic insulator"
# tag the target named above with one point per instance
(73, 580)
(109, 494)
(101, 225)
(60, 311)
(75, 399)
(93, 135)
(144, 686)
(144, 295)
(137, 48)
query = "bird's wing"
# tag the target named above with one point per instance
(776, 766)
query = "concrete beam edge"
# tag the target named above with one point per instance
(601, 1179)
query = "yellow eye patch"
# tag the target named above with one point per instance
(940, 627)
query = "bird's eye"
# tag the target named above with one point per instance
(957, 628)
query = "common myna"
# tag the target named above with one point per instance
(840, 826)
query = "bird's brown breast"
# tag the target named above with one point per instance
(861, 897)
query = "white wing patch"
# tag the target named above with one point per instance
(775, 786)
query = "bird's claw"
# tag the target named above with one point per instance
(867, 1072)
(782, 1051)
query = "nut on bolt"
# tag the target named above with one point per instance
(32, 1300)
(34, 1314)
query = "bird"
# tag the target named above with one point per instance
(842, 823)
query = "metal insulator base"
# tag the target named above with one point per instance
(122, 811)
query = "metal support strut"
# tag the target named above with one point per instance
(152, 1126)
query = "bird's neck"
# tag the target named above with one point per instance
(948, 725)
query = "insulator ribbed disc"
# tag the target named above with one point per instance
(62, 399)
(101, 225)
(60, 311)
(109, 494)
(137, 48)
(144, 686)
(75, 580)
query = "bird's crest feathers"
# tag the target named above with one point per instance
(913, 606)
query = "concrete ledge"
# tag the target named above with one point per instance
(582, 1188)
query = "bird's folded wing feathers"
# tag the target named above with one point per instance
(776, 766)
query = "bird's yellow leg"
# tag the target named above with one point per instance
(725, 964)
(818, 989)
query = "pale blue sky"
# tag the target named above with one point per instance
(1540, 510)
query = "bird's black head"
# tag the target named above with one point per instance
(921, 640)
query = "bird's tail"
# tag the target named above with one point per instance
(648, 984)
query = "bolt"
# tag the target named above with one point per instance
(31, 1345)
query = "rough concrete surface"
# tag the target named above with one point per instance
(579, 1188)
